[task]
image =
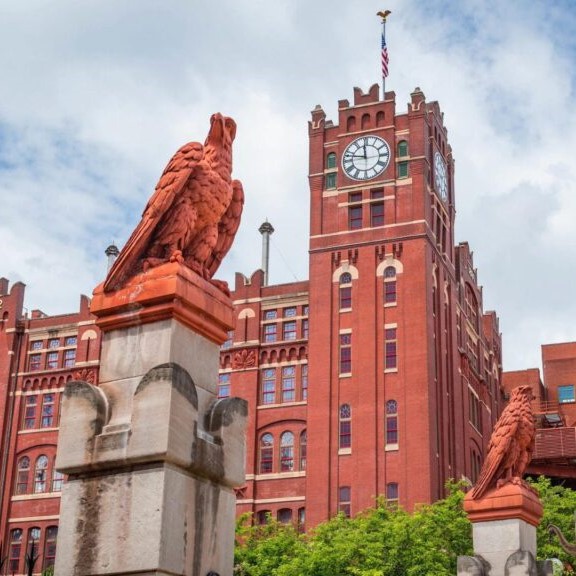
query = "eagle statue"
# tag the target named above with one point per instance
(192, 216)
(511, 444)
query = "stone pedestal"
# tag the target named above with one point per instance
(152, 455)
(504, 525)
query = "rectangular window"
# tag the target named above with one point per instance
(15, 550)
(354, 197)
(390, 291)
(354, 217)
(305, 310)
(377, 214)
(305, 328)
(36, 345)
(392, 493)
(345, 434)
(566, 394)
(52, 360)
(47, 410)
(304, 387)
(402, 169)
(391, 357)
(270, 333)
(391, 430)
(270, 314)
(345, 297)
(269, 386)
(30, 412)
(289, 331)
(330, 180)
(223, 385)
(70, 341)
(54, 343)
(377, 193)
(69, 358)
(57, 480)
(290, 312)
(345, 353)
(344, 500)
(288, 384)
(34, 362)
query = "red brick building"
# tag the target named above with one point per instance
(555, 409)
(38, 355)
(380, 375)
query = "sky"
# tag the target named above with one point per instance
(97, 95)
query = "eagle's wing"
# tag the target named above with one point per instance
(227, 228)
(180, 168)
(502, 441)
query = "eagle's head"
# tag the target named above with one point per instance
(222, 130)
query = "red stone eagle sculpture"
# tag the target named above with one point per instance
(511, 444)
(192, 216)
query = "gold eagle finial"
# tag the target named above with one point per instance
(384, 14)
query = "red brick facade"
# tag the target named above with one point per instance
(555, 409)
(379, 376)
(401, 368)
(38, 355)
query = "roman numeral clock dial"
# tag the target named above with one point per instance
(366, 157)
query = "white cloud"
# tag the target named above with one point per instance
(97, 97)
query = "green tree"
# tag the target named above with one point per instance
(559, 507)
(377, 542)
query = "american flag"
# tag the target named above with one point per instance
(384, 58)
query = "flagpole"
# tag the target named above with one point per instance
(384, 51)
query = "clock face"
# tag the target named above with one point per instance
(440, 177)
(366, 157)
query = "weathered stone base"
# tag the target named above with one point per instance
(149, 520)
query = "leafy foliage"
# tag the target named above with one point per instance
(389, 542)
(377, 542)
(559, 508)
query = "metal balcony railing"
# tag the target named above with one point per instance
(555, 444)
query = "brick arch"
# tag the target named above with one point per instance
(346, 267)
(389, 261)
(302, 353)
(380, 119)
(351, 123)
(365, 121)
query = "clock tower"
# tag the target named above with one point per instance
(385, 403)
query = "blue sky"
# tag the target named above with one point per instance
(96, 96)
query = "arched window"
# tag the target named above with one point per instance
(391, 423)
(389, 285)
(345, 435)
(345, 294)
(285, 516)
(23, 475)
(50, 546)
(287, 452)
(15, 550)
(57, 478)
(402, 149)
(303, 447)
(33, 546)
(262, 517)
(365, 122)
(40, 474)
(266, 453)
(392, 493)
(331, 160)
